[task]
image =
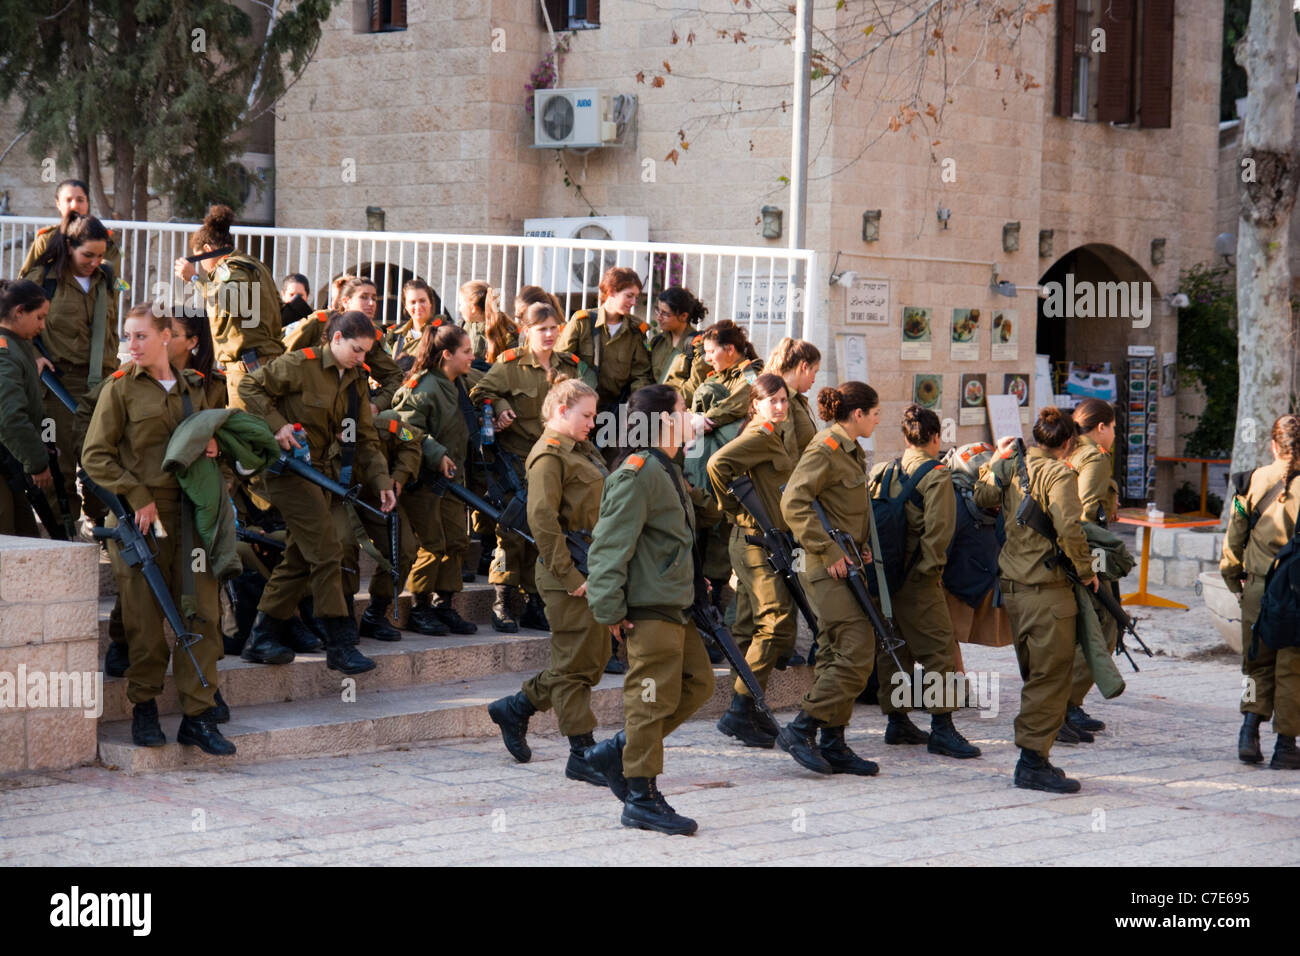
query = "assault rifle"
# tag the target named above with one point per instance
(513, 517)
(779, 545)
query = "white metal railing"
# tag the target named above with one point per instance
(769, 291)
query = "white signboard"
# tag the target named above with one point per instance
(1004, 416)
(764, 298)
(867, 302)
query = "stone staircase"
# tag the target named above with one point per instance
(422, 689)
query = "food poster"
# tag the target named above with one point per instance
(1017, 384)
(917, 333)
(966, 337)
(927, 391)
(1006, 336)
(974, 388)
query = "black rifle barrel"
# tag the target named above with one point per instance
(287, 462)
(520, 527)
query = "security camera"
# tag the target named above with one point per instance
(1179, 300)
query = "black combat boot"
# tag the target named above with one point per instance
(341, 652)
(947, 741)
(116, 659)
(900, 730)
(764, 722)
(841, 759)
(799, 740)
(1079, 719)
(264, 642)
(374, 621)
(615, 664)
(534, 615)
(1248, 739)
(502, 620)
(1034, 772)
(577, 768)
(646, 809)
(300, 638)
(423, 620)
(145, 729)
(220, 709)
(607, 758)
(445, 613)
(1069, 734)
(794, 660)
(1285, 755)
(739, 722)
(202, 732)
(511, 715)
(307, 614)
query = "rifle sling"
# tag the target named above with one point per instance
(189, 606)
(350, 447)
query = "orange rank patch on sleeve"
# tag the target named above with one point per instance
(767, 427)
(119, 373)
(310, 353)
(635, 461)
(508, 355)
(553, 442)
(830, 440)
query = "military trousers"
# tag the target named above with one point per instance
(439, 525)
(668, 679)
(313, 553)
(1082, 682)
(1272, 687)
(765, 625)
(846, 649)
(1042, 626)
(142, 618)
(921, 612)
(579, 650)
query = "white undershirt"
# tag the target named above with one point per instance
(84, 282)
(167, 383)
(613, 327)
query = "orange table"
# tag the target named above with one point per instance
(1135, 516)
(1205, 478)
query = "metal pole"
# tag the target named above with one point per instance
(799, 149)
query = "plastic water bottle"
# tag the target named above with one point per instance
(489, 435)
(302, 453)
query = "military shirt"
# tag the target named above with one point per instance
(766, 453)
(243, 309)
(1098, 491)
(833, 469)
(624, 359)
(565, 478)
(402, 341)
(430, 401)
(801, 417)
(516, 383)
(1252, 552)
(930, 527)
(132, 423)
(112, 254)
(305, 388)
(21, 405)
(642, 550)
(671, 364)
(402, 446)
(71, 318)
(384, 372)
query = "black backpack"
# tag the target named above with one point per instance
(890, 517)
(972, 568)
(1278, 624)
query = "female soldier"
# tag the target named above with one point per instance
(243, 307)
(1263, 520)
(137, 411)
(403, 341)
(23, 307)
(491, 331)
(765, 616)
(833, 471)
(80, 332)
(323, 391)
(355, 294)
(516, 385)
(1099, 496)
(641, 581)
(565, 477)
(435, 400)
(797, 361)
(294, 286)
(677, 347)
(919, 605)
(1040, 601)
(191, 347)
(71, 195)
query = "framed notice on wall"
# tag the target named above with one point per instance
(917, 333)
(867, 302)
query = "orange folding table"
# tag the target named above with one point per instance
(1139, 518)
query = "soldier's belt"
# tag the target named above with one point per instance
(1015, 587)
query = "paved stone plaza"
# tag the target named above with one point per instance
(1161, 786)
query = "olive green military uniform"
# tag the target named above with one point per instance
(642, 570)
(672, 364)
(1040, 601)
(380, 366)
(920, 608)
(833, 470)
(516, 383)
(21, 413)
(624, 361)
(1099, 496)
(305, 387)
(765, 624)
(133, 421)
(479, 341)
(403, 340)
(401, 444)
(112, 254)
(1247, 557)
(436, 405)
(801, 416)
(565, 478)
(244, 312)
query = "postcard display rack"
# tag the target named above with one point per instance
(1143, 392)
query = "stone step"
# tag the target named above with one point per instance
(392, 718)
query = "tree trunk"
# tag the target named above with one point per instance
(140, 210)
(1265, 349)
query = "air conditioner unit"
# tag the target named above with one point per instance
(572, 119)
(579, 270)
(257, 199)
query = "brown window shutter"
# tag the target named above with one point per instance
(1157, 79)
(376, 11)
(559, 13)
(1115, 79)
(1065, 57)
(399, 14)
(593, 12)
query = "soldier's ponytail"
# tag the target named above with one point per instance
(428, 355)
(215, 231)
(837, 404)
(1286, 433)
(789, 353)
(74, 230)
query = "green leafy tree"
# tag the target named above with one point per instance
(1207, 356)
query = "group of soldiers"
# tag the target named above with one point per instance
(284, 441)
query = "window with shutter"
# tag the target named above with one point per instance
(1156, 82)
(398, 20)
(1115, 82)
(1064, 58)
(376, 13)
